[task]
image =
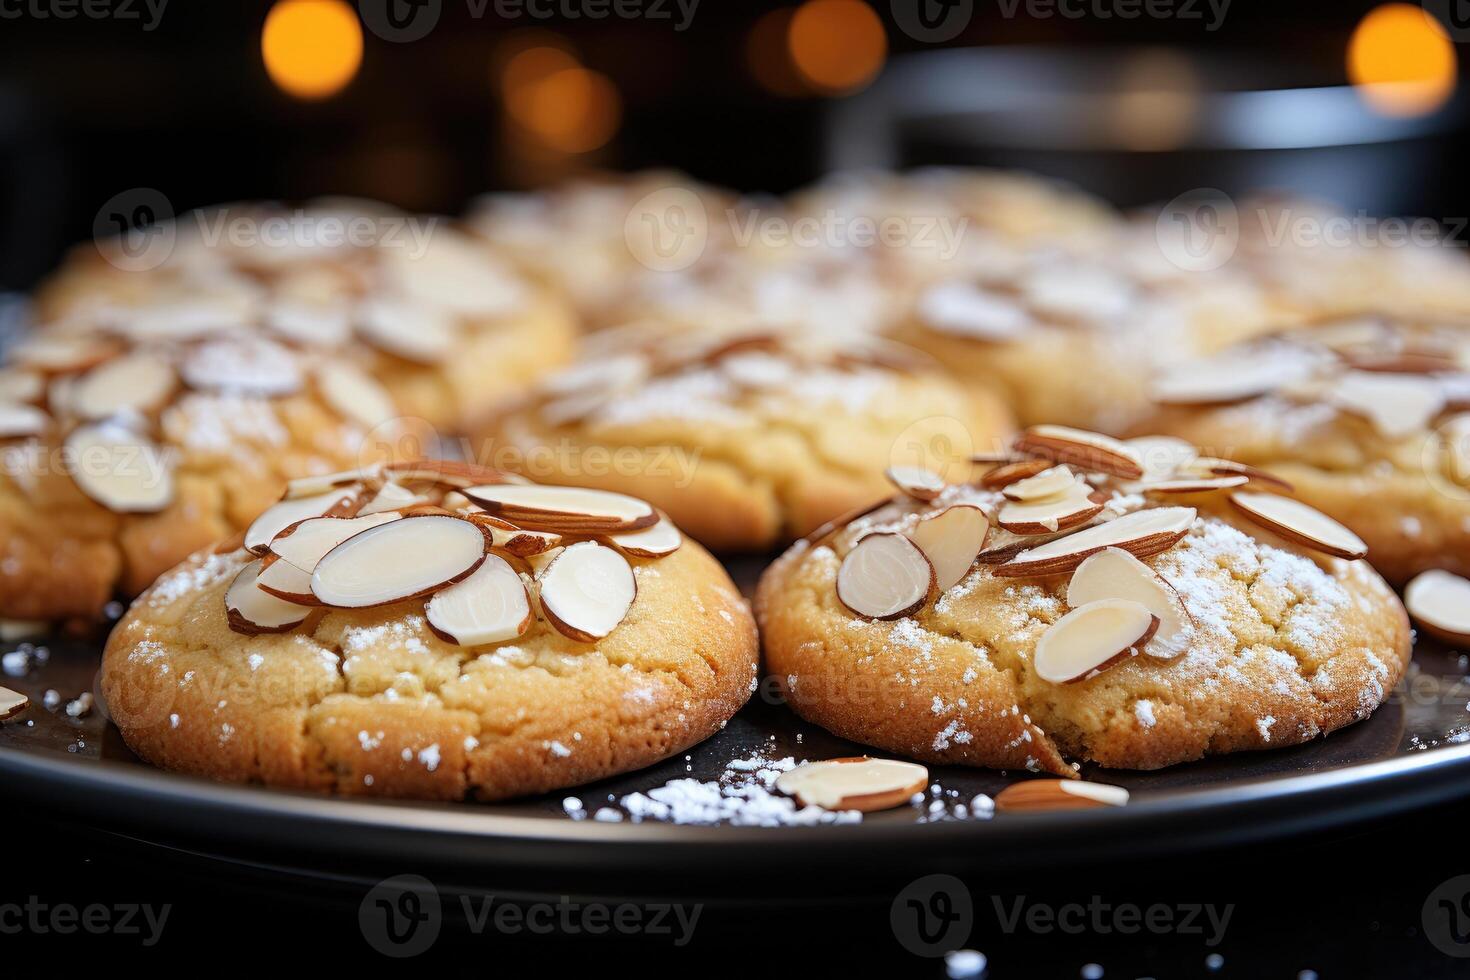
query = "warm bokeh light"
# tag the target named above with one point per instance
(838, 46)
(769, 57)
(312, 48)
(574, 110)
(1402, 60)
(527, 70)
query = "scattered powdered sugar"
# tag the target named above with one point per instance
(192, 578)
(1263, 725)
(1144, 712)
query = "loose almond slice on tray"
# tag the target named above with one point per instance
(1299, 523)
(885, 576)
(1059, 794)
(137, 382)
(1047, 483)
(1398, 405)
(1089, 450)
(12, 703)
(1092, 638)
(353, 394)
(951, 540)
(17, 420)
(1115, 574)
(276, 518)
(564, 509)
(854, 783)
(1071, 508)
(586, 590)
(654, 542)
(400, 560)
(1440, 602)
(917, 482)
(252, 611)
(490, 606)
(120, 469)
(305, 543)
(1142, 534)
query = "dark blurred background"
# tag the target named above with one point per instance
(99, 96)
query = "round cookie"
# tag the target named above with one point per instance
(421, 697)
(445, 325)
(748, 440)
(1368, 418)
(1199, 633)
(119, 456)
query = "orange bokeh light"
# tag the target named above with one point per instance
(838, 46)
(769, 56)
(311, 48)
(1401, 60)
(574, 110)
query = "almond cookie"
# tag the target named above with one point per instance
(443, 324)
(1367, 417)
(124, 454)
(1134, 605)
(747, 440)
(433, 633)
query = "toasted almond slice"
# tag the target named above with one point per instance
(304, 543)
(393, 496)
(1091, 638)
(18, 385)
(885, 576)
(320, 483)
(1069, 509)
(1142, 534)
(1398, 405)
(841, 521)
(489, 606)
(17, 420)
(654, 542)
(1051, 482)
(997, 458)
(1163, 456)
(251, 611)
(354, 395)
(1232, 378)
(966, 310)
(453, 474)
(252, 365)
(854, 783)
(1007, 473)
(285, 581)
(414, 332)
(524, 544)
(917, 482)
(1115, 574)
(1201, 484)
(12, 703)
(1440, 602)
(137, 382)
(55, 353)
(1300, 523)
(1089, 450)
(951, 540)
(1227, 467)
(570, 509)
(313, 324)
(587, 590)
(399, 560)
(1059, 794)
(276, 518)
(120, 469)
(540, 563)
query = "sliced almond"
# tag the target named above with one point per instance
(454, 474)
(1142, 534)
(251, 611)
(587, 590)
(951, 540)
(1091, 638)
(1398, 405)
(1440, 602)
(1300, 523)
(569, 509)
(1455, 439)
(1089, 450)
(885, 576)
(524, 544)
(540, 563)
(320, 483)
(352, 394)
(313, 324)
(1048, 483)
(17, 420)
(393, 496)
(251, 365)
(490, 606)
(137, 382)
(12, 703)
(56, 353)
(1228, 467)
(276, 518)
(18, 385)
(1203, 484)
(1163, 456)
(1232, 378)
(304, 543)
(1007, 473)
(1069, 509)
(411, 331)
(917, 482)
(966, 310)
(654, 542)
(285, 581)
(997, 458)
(854, 783)
(824, 530)
(1059, 794)
(120, 469)
(399, 560)
(1115, 574)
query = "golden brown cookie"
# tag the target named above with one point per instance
(473, 687)
(1132, 621)
(746, 441)
(443, 324)
(1368, 418)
